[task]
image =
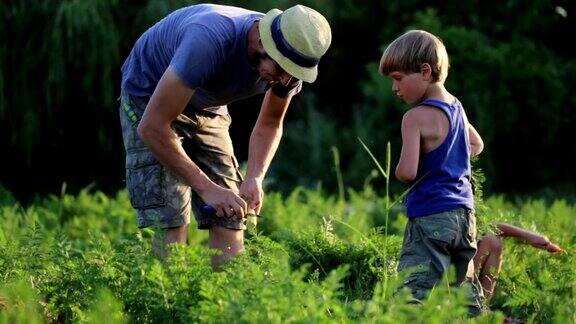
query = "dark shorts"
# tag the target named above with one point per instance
(159, 196)
(435, 242)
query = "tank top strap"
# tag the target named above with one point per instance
(435, 103)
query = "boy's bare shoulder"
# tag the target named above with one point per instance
(423, 114)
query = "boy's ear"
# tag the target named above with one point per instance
(426, 70)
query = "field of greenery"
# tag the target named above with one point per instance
(314, 257)
(327, 254)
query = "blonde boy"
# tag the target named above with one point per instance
(437, 143)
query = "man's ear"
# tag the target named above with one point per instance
(426, 71)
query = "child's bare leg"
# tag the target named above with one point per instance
(487, 262)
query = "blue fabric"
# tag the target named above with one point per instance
(206, 46)
(286, 49)
(444, 173)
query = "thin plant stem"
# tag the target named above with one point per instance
(374, 159)
(314, 258)
(338, 171)
(362, 236)
(387, 211)
(387, 201)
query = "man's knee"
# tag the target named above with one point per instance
(228, 240)
(176, 234)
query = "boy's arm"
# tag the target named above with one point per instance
(407, 168)
(534, 239)
(476, 142)
(511, 230)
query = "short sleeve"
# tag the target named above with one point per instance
(197, 57)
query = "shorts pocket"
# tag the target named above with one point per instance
(145, 180)
(440, 232)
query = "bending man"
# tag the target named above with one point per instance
(176, 83)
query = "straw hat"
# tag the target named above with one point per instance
(296, 39)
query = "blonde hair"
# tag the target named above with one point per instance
(408, 52)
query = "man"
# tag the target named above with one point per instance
(176, 83)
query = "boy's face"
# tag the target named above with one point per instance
(409, 87)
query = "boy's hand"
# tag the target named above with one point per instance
(553, 248)
(542, 242)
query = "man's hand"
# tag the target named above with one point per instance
(251, 191)
(225, 201)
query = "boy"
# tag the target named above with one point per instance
(437, 143)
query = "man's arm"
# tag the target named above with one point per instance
(167, 102)
(264, 141)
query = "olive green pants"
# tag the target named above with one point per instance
(435, 242)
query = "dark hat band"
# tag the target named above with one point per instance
(287, 50)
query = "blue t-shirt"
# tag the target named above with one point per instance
(206, 46)
(444, 173)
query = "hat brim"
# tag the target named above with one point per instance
(297, 71)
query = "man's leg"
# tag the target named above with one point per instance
(161, 199)
(229, 241)
(210, 147)
(174, 235)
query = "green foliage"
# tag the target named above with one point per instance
(104, 305)
(317, 259)
(74, 49)
(19, 303)
(325, 251)
(258, 288)
(495, 76)
(59, 78)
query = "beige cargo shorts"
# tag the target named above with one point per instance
(159, 196)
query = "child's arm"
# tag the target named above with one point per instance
(407, 168)
(476, 142)
(534, 239)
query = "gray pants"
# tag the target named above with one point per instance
(435, 242)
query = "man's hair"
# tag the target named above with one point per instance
(408, 52)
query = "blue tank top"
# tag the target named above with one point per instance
(444, 173)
